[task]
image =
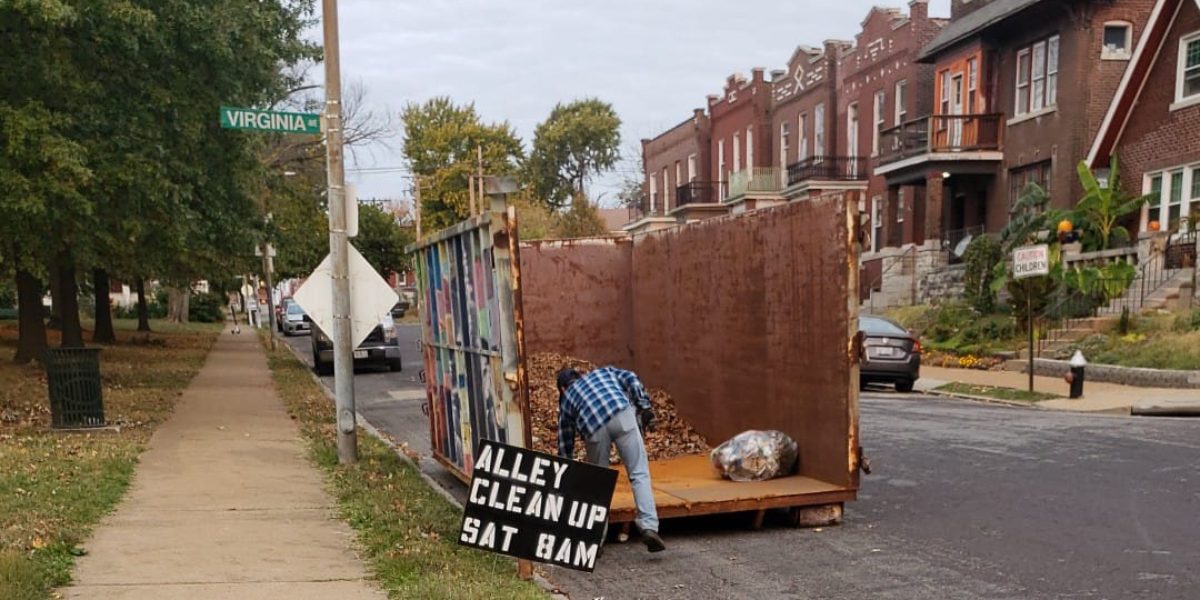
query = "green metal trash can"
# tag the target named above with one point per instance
(73, 375)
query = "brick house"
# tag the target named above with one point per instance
(883, 86)
(741, 151)
(1002, 71)
(804, 124)
(675, 165)
(1152, 123)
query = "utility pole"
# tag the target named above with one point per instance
(339, 245)
(268, 266)
(479, 174)
(417, 204)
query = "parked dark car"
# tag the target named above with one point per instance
(892, 353)
(381, 348)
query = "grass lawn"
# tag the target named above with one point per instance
(55, 486)
(999, 393)
(407, 531)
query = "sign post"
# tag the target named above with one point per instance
(1030, 261)
(535, 506)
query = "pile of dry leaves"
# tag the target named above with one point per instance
(672, 436)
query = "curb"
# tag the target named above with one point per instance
(543, 583)
(988, 400)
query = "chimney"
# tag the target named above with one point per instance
(918, 10)
(962, 8)
(777, 74)
(757, 74)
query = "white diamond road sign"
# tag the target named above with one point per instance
(1031, 261)
(371, 299)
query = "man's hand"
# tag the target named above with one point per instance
(646, 419)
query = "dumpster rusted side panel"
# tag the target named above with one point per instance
(744, 320)
(578, 299)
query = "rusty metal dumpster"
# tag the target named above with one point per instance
(748, 321)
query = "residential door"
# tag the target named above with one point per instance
(956, 108)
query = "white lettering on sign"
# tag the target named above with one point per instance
(1031, 261)
(265, 120)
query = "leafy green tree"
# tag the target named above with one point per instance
(381, 240)
(440, 145)
(580, 220)
(576, 142)
(981, 257)
(1102, 208)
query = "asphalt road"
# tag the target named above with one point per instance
(967, 501)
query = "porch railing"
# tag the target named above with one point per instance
(828, 168)
(757, 179)
(698, 192)
(941, 133)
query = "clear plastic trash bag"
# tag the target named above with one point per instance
(755, 456)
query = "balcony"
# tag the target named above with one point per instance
(941, 138)
(827, 168)
(758, 180)
(698, 192)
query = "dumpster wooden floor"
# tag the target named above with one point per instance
(688, 486)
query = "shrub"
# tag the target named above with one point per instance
(981, 258)
(1188, 321)
(205, 308)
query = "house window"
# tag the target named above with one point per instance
(803, 150)
(1175, 198)
(945, 97)
(1118, 40)
(666, 203)
(785, 134)
(653, 193)
(749, 149)
(819, 131)
(691, 168)
(901, 102)
(1187, 85)
(880, 107)
(737, 152)
(900, 205)
(1019, 179)
(1037, 77)
(876, 222)
(678, 173)
(721, 166)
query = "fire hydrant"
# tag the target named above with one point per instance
(1075, 376)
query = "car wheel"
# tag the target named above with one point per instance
(395, 365)
(904, 386)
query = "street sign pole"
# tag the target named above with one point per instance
(339, 252)
(268, 264)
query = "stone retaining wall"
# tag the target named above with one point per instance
(1133, 376)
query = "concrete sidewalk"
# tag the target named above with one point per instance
(224, 503)
(1097, 397)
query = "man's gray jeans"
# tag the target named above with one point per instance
(622, 429)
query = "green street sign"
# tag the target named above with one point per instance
(269, 120)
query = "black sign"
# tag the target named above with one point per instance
(537, 506)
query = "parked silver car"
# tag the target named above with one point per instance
(293, 322)
(893, 354)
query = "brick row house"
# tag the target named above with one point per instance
(943, 122)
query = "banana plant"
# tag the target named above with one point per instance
(1102, 208)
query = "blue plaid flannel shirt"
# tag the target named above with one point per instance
(592, 400)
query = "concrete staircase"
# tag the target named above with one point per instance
(1167, 289)
(897, 284)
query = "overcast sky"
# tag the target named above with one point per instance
(654, 60)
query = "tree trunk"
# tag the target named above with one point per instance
(55, 321)
(31, 340)
(143, 311)
(177, 305)
(72, 329)
(104, 333)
